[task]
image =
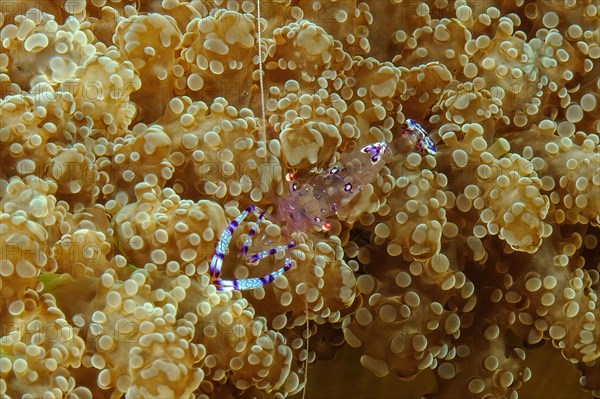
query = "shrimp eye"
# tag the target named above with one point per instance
(333, 170)
(348, 187)
(289, 176)
(326, 226)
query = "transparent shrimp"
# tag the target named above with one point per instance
(321, 196)
(310, 205)
(306, 207)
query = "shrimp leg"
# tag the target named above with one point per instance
(251, 283)
(260, 255)
(248, 242)
(223, 243)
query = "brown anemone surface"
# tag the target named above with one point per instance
(133, 132)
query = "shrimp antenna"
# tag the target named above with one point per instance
(260, 68)
(307, 353)
(264, 122)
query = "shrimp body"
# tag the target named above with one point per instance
(322, 195)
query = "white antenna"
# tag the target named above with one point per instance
(264, 121)
(260, 67)
(307, 353)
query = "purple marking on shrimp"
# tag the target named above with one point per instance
(248, 242)
(223, 243)
(251, 283)
(423, 142)
(260, 255)
(377, 149)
